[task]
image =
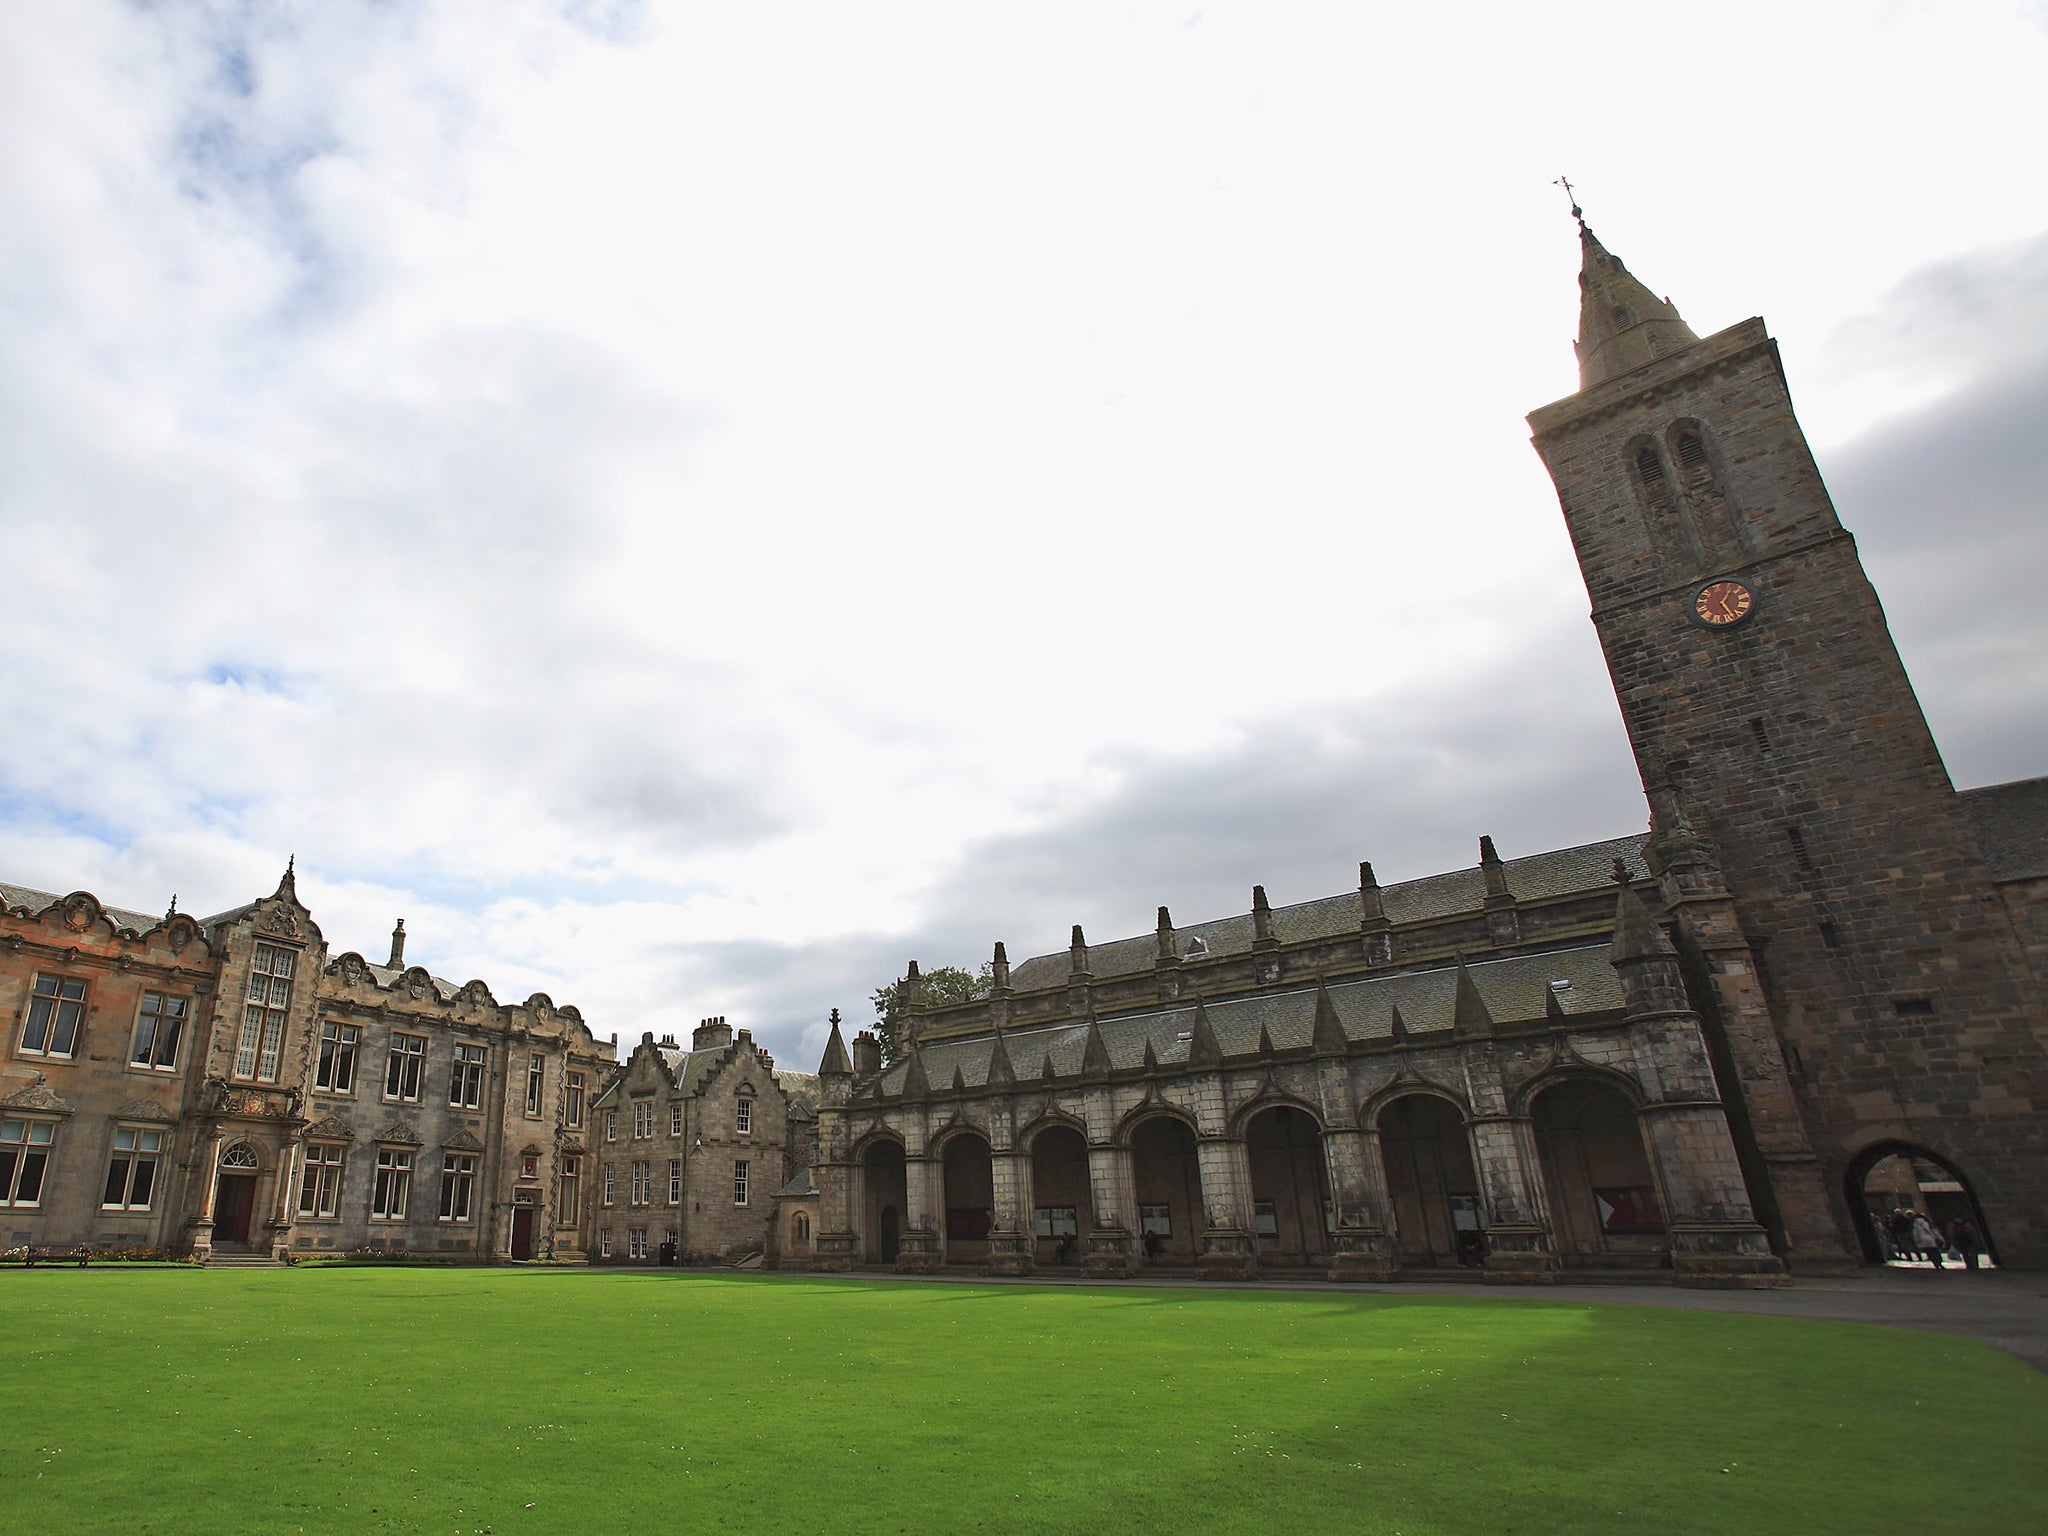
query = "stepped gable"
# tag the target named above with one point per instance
(1532, 879)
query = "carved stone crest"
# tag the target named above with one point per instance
(37, 1095)
(144, 1109)
(400, 1132)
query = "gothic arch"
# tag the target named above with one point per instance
(960, 1125)
(1374, 1104)
(1270, 1097)
(1154, 1109)
(1857, 1168)
(869, 1139)
(1524, 1098)
(1051, 1118)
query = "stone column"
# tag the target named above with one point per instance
(1228, 1251)
(1112, 1243)
(1361, 1245)
(287, 1185)
(1012, 1243)
(209, 1160)
(1518, 1250)
(923, 1197)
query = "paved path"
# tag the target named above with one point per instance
(2002, 1308)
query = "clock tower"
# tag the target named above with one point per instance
(1863, 987)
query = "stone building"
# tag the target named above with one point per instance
(692, 1148)
(1684, 1050)
(222, 1086)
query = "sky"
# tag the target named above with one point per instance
(695, 506)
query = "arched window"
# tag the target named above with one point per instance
(238, 1156)
(800, 1228)
(1651, 469)
(1692, 457)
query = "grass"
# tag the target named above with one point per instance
(513, 1402)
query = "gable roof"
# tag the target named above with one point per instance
(1559, 872)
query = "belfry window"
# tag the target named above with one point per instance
(1651, 469)
(1692, 456)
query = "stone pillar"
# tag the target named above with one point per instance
(287, 1184)
(1012, 1244)
(208, 1159)
(1228, 1250)
(1518, 1250)
(1361, 1246)
(1112, 1243)
(918, 1252)
(1716, 1240)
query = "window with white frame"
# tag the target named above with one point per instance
(131, 1171)
(643, 1184)
(572, 1188)
(320, 1181)
(25, 1147)
(675, 1118)
(466, 1081)
(394, 1183)
(739, 1181)
(572, 1100)
(743, 1116)
(336, 1072)
(56, 1007)
(536, 1084)
(158, 1028)
(675, 1181)
(636, 1243)
(604, 1245)
(611, 1125)
(605, 1181)
(405, 1068)
(458, 1185)
(264, 1013)
(643, 1118)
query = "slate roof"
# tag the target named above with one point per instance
(38, 901)
(805, 1183)
(1587, 867)
(2011, 821)
(803, 1090)
(1512, 988)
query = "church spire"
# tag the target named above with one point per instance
(1622, 325)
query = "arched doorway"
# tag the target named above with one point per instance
(1062, 1215)
(1290, 1190)
(1898, 1175)
(1604, 1209)
(1439, 1220)
(970, 1201)
(884, 1193)
(234, 1194)
(1167, 1176)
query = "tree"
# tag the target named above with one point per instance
(942, 984)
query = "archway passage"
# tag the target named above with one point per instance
(1439, 1221)
(1604, 1209)
(884, 1194)
(1290, 1191)
(1062, 1215)
(1167, 1175)
(970, 1203)
(1895, 1177)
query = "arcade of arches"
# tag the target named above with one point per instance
(1231, 1204)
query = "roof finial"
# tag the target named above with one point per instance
(1577, 212)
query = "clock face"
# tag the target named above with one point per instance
(1720, 604)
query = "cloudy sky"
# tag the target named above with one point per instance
(695, 505)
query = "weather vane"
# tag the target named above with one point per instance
(1577, 212)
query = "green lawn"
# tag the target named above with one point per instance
(516, 1402)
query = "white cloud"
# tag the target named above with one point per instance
(663, 498)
